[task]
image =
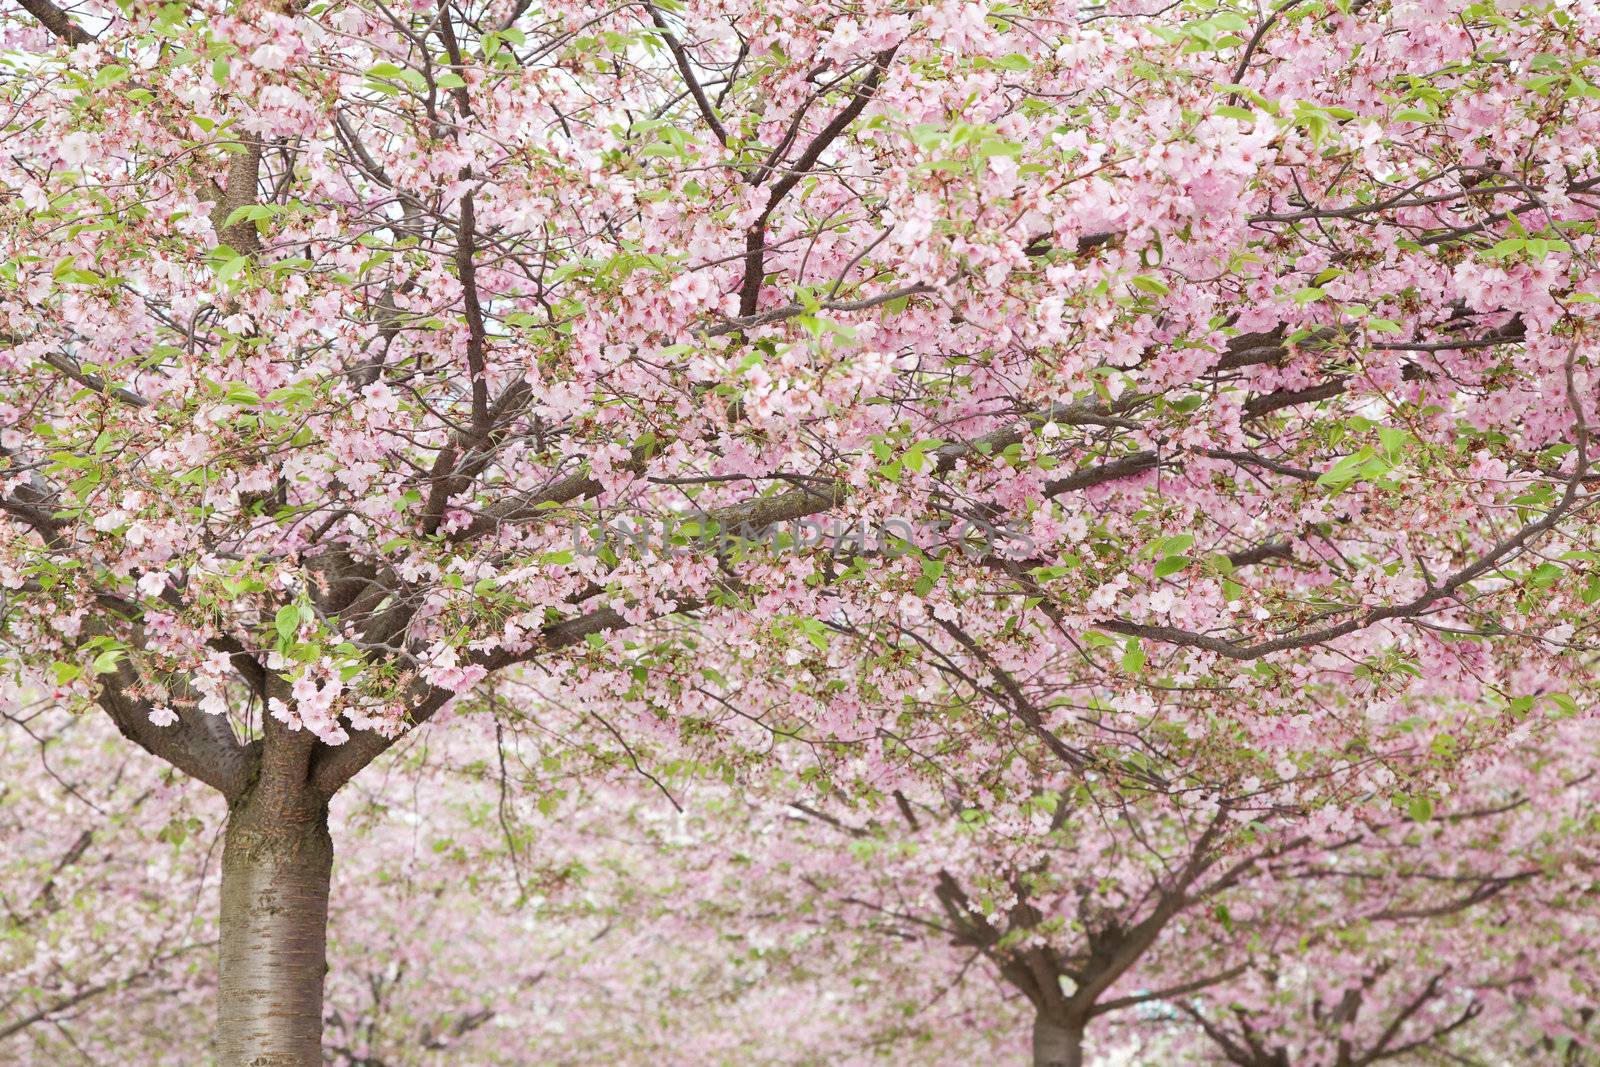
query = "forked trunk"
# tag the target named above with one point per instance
(1056, 1044)
(276, 867)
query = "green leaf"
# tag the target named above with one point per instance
(1174, 544)
(932, 571)
(287, 621)
(1347, 470)
(1580, 88)
(1420, 809)
(1394, 440)
(229, 267)
(1545, 575)
(249, 213)
(1171, 565)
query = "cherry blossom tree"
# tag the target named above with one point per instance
(1457, 939)
(1243, 931)
(1153, 379)
(1063, 906)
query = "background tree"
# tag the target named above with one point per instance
(1455, 938)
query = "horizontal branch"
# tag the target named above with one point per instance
(57, 22)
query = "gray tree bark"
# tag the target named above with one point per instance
(277, 863)
(1056, 1044)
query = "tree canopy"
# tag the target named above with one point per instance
(1101, 462)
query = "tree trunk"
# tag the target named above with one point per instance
(276, 867)
(1056, 1044)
